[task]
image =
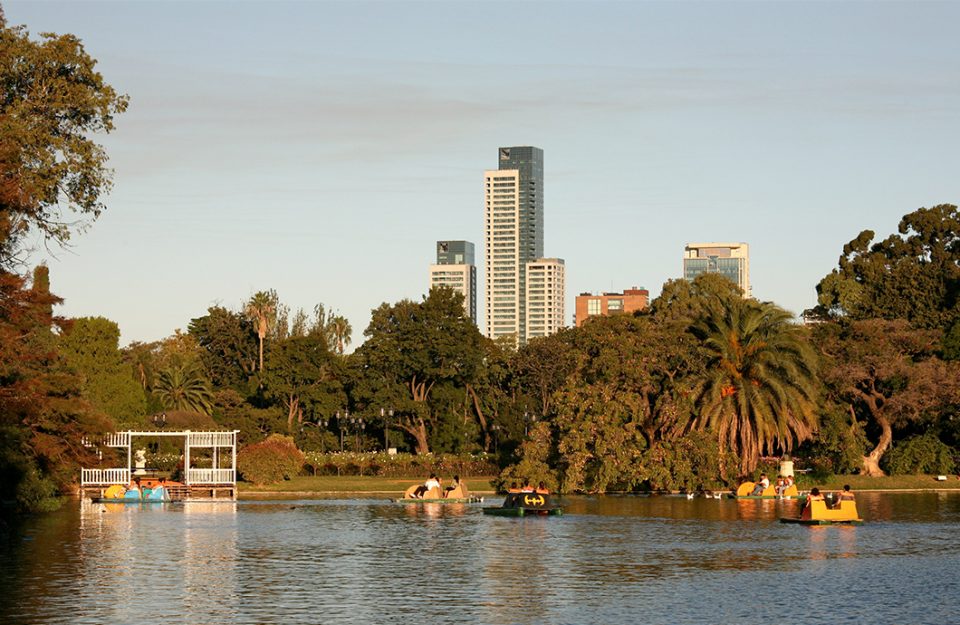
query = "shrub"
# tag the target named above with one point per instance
(272, 460)
(690, 463)
(399, 465)
(925, 453)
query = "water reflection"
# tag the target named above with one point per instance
(608, 560)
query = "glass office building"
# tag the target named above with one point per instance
(731, 260)
(455, 268)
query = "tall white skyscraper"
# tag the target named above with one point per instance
(546, 289)
(455, 269)
(513, 217)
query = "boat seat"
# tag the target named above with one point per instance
(114, 492)
(746, 489)
(818, 511)
(408, 494)
(433, 493)
(460, 492)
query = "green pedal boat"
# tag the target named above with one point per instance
(526, 504)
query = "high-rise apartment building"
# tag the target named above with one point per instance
(728, 259)
(545, 293)
(513, 224)
(455, 268)
(590, 305)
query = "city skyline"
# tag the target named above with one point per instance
(284, 153)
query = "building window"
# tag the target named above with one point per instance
(593, 307)
(615, 305)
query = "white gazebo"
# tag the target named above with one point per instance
(215, 482)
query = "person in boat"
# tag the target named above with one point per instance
(133, 489)
(761, 485)
(780, 486)
(513, 488)
(456, 484)
(526, 488)
(813, 496)
(159, 490)
(789, 482)
(845, 495)
(432, 482)
(542, 489)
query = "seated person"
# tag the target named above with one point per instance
(542, 489)
(526, 488)
(814, 496)
(159, 490)
(513, 488)
(780, 486)
(432, 482)
(761, 485)
(133, 489)
(845, 495)
(456, 484)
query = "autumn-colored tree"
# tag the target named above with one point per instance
(888, 376)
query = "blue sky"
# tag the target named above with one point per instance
(322, 148)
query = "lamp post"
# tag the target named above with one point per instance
(341, 423)
(495, 428)
(357, 424)
(528, 420)
(386, 415)
(160, 420)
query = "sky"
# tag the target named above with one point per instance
(322, 148)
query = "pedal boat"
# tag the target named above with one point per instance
(119, 494)
(526, 504)
(770, 492)
(817, 513)
(460, 494)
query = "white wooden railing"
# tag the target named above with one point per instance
(210, 476)
(90, 477)
(211, 439)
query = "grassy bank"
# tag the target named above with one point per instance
(350, 484)
(893, 482)
(394, 486)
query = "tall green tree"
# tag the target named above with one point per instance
(53, 101)
(302, 375)
(261, 310)
(913, 274)
(760, 392)
(228, 344)
(91, 346)
(411, 347)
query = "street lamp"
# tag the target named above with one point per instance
(386, 415)
(160, 420)
(341, 424)
(357, 424)
(495, 428)
(528, 420)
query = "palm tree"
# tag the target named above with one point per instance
(262, 311)
(759, 392)
(342, 331)
(182, 387)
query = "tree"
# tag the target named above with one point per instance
(53, 100)
(302, 374)
(43, 416)
(887, 375)
(228, 344)
(685, 301)
(184, 388)
(759, 392)
(413, 346)
(90, 346)
(912, 275)
(261, 309)
(342, 331)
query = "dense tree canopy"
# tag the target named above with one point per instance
(912, 275)
(53, 101)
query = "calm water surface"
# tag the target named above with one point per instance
(612, 560)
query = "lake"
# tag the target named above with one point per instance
(608, 560)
